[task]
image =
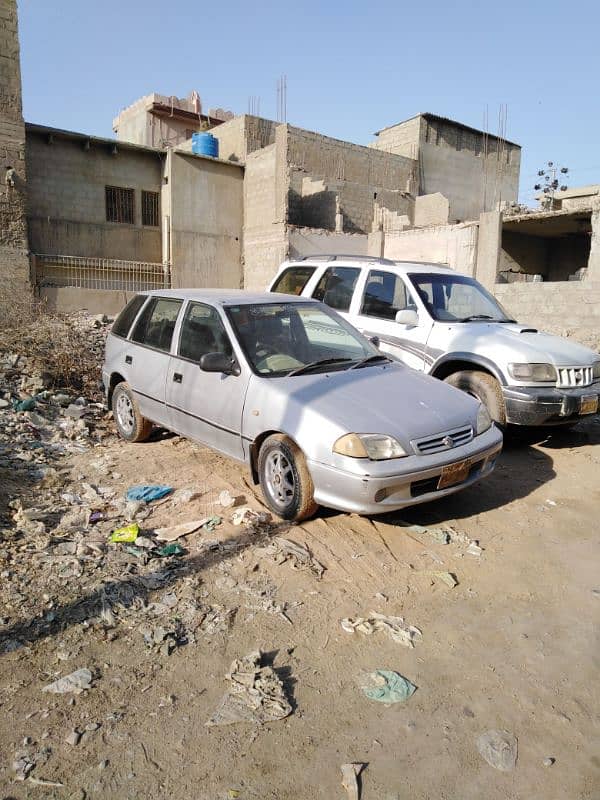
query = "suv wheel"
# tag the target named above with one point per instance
(285, 480)
(131, 425)
(485, 388)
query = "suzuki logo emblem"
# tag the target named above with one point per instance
(448, 441)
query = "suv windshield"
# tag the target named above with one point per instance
(457, 298)
(283, 338)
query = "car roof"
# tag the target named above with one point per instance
(369, 261)
(225, 297)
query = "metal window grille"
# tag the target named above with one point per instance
(150, 202)
(120, 204)
(100, 273)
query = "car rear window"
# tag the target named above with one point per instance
(156, 324)
(293, 280)
(124, 321)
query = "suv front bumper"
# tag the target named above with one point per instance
(545, 405)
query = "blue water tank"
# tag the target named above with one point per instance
(205, 144)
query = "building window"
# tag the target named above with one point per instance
(119, 205)
(150, 202)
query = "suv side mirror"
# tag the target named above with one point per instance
(375, 341)
(407, 316)
(219, 362)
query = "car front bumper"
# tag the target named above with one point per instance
(412, 480)
(547, 405)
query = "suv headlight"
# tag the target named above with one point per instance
(541, 373)
(596, 370)
(484, 421)
(375, 446)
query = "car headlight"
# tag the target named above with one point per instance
(375, 446)
(596, 370)
(484, 421)
(532, 372)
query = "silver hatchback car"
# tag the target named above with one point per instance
(290, 388)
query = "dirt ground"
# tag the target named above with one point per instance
(514, 646)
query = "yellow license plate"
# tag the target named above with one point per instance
(454, 473)
(589, 405)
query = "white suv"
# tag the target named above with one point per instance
(446, 324)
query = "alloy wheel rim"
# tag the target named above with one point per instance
(125, 415)
(279, 477)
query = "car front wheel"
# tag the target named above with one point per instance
(131, 425)
(285, 480)
(485, 388)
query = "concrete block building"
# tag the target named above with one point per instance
(85, 221)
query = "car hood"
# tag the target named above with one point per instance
(391, 399)
(523, 343)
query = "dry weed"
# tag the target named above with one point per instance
(54, 344)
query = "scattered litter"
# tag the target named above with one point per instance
(474, 549)
(165, 641)
(76, 682)
(398, 630)
(389, 687)
(548, 762)
(499, 749)
(256, 694)
(174, 532)
(243, 515)
(437, 534)
(184, 496)
(73, 738)
(173, 549)
(228, 500)
(233, 793)
(22, 766)
(95, 516)
(350, 773)
(25, 405)
(128, 534)
(148, 493)
(42, 782)
(449, 578)
(282, 550)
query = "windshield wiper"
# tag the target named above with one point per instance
(369, 360)
(475, 317)
(314, 364)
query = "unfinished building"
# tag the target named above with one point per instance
(88, 220)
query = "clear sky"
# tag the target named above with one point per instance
(352, 67)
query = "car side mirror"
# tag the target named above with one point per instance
(219, 362)
(407, 316)
(375, 341)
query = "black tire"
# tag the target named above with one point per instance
(285, 480)
(130, 424)
(485, 388)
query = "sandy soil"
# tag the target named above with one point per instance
(513, 646)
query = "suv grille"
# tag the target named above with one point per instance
(573, 377)
(443, 441)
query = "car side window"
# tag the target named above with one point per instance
(336, 286)
(385, 294)
(124, 321)
(156, 324)
(202, 332)
(293, 280)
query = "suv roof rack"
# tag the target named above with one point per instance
(342, 257)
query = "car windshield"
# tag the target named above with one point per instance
(457, 298)
(293, 338)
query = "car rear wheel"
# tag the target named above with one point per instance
(485, 388)
(131, 425)
(285, 480)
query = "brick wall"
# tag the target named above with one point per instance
(14, 260)
(67, 206)
(243, 135)
(570, 308)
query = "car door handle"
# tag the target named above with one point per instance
(177, 377)
(129, 359)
